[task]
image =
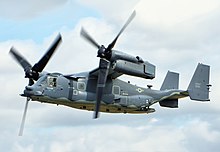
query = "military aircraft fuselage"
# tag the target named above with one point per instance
(79, 91)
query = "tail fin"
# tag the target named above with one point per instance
(171, 81)
(199, 86)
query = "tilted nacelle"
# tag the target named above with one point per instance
(130, 65)
(144, 70)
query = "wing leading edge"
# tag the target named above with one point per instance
(112, 74)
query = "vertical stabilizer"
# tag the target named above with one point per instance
(199, 86)
(171, 81)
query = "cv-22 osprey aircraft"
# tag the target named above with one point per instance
(100, 90)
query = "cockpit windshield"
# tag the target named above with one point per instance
(51, 81)
(42, 80)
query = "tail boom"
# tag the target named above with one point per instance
(198, 88)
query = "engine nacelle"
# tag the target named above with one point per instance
(144, 70)
(118, 55)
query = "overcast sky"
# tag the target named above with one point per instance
(174, 35)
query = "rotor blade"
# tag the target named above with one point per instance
(103, 73)
(111, 45)
(38, 67)
(23, 118)
(30, 82)
(20, 59)
(85, 35)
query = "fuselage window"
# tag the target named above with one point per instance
(52, 81)
(81, 86)
(116, 90)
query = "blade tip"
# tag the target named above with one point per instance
(20, 132)
(82, 31)
(59, 37)
(133, 14)
(19, 135)
(96, 115)
(12, 49)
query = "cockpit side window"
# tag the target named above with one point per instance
(52, 81)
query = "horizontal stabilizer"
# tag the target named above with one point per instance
(172, 103)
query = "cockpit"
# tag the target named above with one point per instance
(51, 81)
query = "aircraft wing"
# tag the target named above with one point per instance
(94, 73)
(112, 74)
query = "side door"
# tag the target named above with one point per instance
(121, 96)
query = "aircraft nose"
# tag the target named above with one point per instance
(31, 90)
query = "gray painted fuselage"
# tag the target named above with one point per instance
(79, 91)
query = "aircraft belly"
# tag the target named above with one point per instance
(89, 105)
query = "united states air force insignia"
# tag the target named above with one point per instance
(139, 90)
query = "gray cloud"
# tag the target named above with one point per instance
(114, 10)
(23, 9)
(190, 135)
